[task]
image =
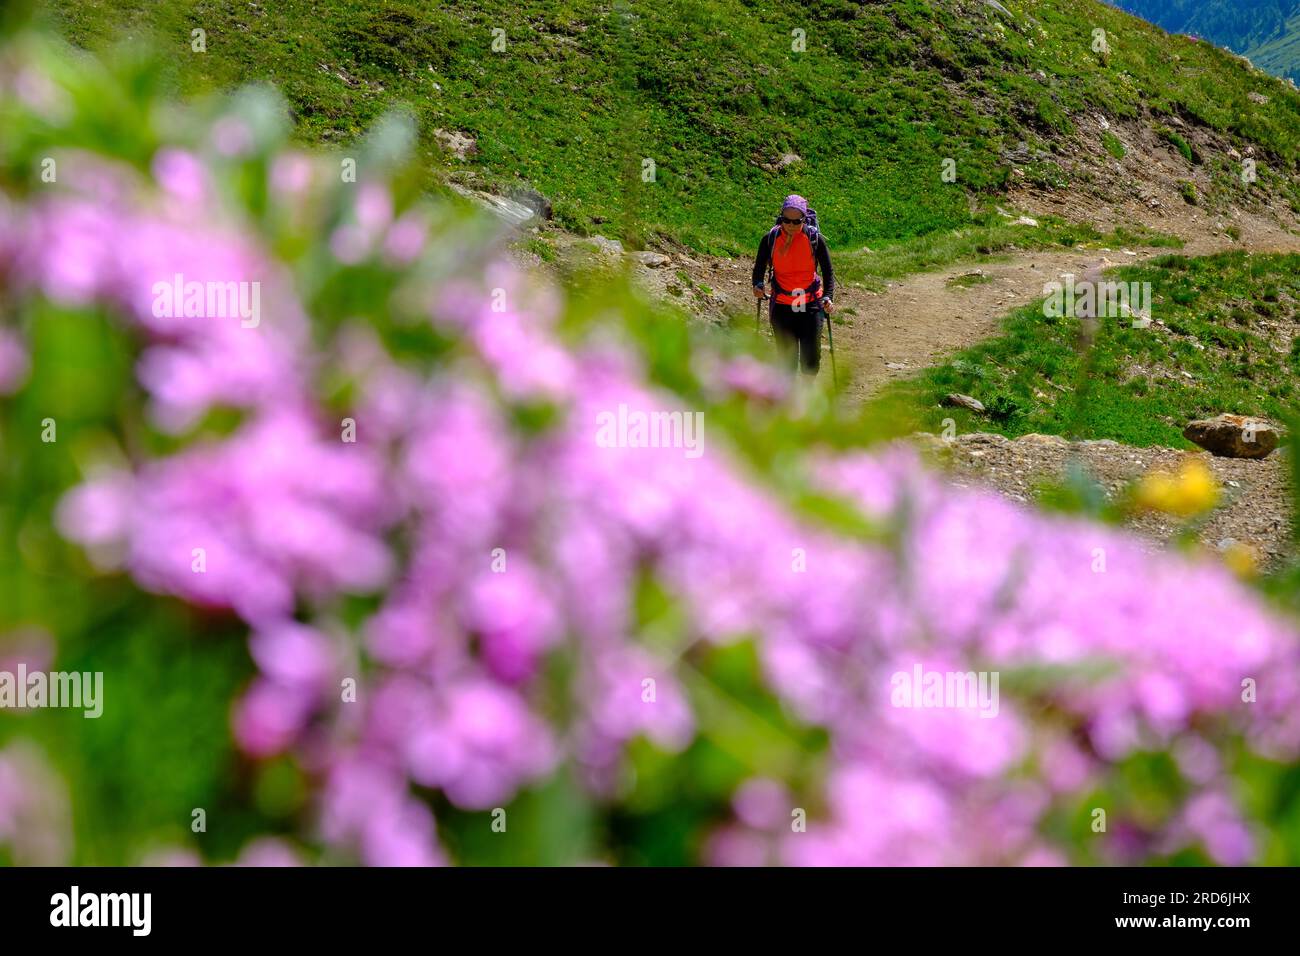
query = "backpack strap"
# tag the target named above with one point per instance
(771, 253)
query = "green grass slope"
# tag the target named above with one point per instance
(710, 90)
(1225, 336)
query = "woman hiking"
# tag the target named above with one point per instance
(794, 252)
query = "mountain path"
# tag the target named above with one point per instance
(918, 320)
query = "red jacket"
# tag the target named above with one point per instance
(795, 264)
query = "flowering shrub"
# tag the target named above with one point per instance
(372, 454)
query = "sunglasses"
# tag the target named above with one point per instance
(793, 222)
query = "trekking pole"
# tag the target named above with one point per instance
(830, 337)
(758, 312)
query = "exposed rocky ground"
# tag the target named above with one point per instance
(1255, 503)
(1148, 184)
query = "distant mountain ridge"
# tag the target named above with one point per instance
(1267, 32)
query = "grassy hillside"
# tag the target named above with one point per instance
(711, 91)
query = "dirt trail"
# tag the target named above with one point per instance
(916, 322)
(920, 319)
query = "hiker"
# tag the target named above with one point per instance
(792, 254)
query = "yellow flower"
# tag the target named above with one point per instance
(1156, 491)
(1191, 491)
(1198, 490)
(1241, 559)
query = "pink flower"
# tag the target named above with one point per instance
(479, 744)
(181, 174)
(512, 613)
(268, 852)
(293, 655)
(270, 717)
(631, 694)
(1212, 818)
(366, 806)
(35, 822)
(14, 362)
(232, 137)
(406, 239)
(763, 803)
(291, 173)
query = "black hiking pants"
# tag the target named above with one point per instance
(798, 335)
